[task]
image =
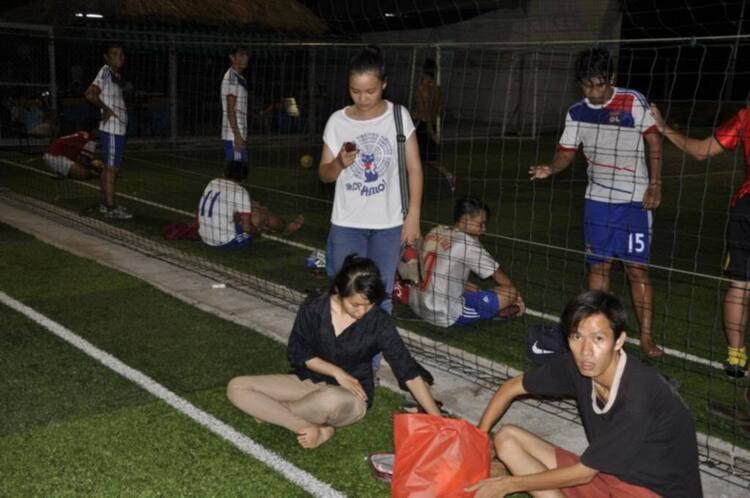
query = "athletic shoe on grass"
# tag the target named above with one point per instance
(118, 213)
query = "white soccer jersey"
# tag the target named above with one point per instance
(368, 193)
(220, 201)
(234, 84)
(612, 138)
(111, 95)
(448, 257)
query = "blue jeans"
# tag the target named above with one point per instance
(381, 246)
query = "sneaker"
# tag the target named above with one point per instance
(118, 213)
(735, 370)
(735, 365)
(316, 260)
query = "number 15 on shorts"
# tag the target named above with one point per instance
(636, 243)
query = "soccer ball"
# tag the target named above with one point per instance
(306, 161)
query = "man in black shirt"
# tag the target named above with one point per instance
(641, 437)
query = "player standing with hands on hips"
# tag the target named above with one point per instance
(105, 92)
(360, 154)
(614, 124)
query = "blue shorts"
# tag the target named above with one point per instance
(479, 305)
(616, 231)
(241, 241)
(233, 155)
(113, 148)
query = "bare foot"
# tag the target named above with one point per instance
(294, 226)
(649, 347)
(314, 436)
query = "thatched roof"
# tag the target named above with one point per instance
(268, 15)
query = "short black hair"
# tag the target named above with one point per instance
(594, 302)
(235, 170)
(592, 63)
(359, 275)
(368, 60)
(235, 49)
(469, 206)
(110, 45)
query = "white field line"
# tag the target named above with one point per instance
(670, 351)
(539, 314)
(253, 185)
(578, 252)
(291, 472)
(462, 179)
(150, 203)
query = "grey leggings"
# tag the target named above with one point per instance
(295, 404)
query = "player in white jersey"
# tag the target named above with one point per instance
(105, 92)
(228, 219)
(445, 296)
(614, 125)
(225, 210)
(234, 106)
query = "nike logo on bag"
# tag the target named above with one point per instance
(537, 350)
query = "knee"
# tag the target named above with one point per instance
(506, 441)
(600, 271)
(508, 296)
(637, 273)
(236, 386)
(343, 406)
(739, 287)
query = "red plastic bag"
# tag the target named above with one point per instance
(183, 230)
(437, 457)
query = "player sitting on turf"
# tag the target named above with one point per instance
(612, 124)
(72, 156)
(642, 442)
(445, 296)
(728, 136)
(228, 219)
(331, 346)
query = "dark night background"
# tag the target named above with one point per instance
(675, 71)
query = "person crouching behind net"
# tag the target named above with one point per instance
(334, 338)
(72, 156)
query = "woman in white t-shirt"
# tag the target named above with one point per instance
(360, 154)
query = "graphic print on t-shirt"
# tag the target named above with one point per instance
(367, 174)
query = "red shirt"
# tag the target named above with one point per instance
(729, 135)
(72, 146)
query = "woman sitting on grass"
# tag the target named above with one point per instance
(334, 338)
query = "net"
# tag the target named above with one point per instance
(504, 105)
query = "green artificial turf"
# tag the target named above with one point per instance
(70, 427)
